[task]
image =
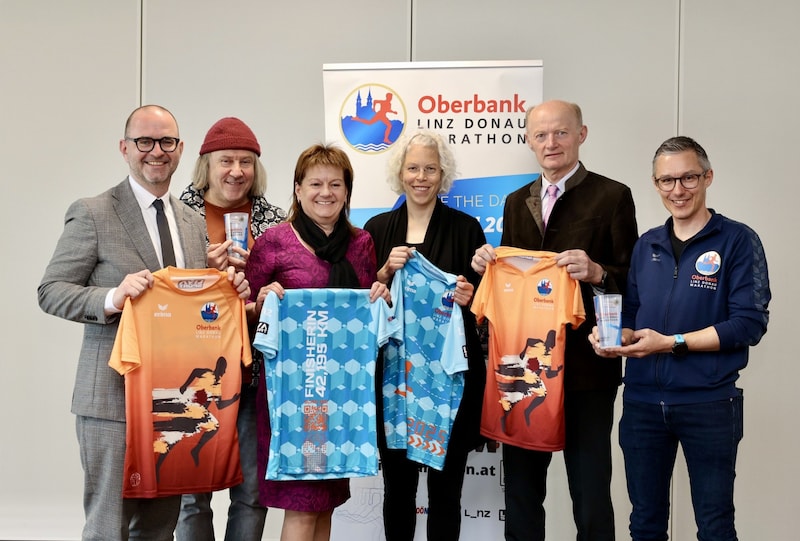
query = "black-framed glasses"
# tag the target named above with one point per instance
(146, 144)
(688, 181)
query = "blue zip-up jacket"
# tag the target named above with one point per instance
(721, 280)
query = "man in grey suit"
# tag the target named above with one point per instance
(107, 252)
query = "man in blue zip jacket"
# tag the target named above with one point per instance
(697, 298)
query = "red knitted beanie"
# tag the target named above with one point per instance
(230, 133)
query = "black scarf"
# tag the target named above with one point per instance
(331, 248)
(437, 246)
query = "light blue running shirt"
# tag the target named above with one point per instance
(423, 379)
(320, 348)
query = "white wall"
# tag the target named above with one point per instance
(723, 71)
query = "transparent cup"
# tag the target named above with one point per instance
(236, 230)
(608, 309)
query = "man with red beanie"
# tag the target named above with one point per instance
(229, 177)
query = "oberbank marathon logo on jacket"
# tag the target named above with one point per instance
(706, 265)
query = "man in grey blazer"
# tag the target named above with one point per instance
(107, 252)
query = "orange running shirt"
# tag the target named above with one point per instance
(528, 301)
(180, 346)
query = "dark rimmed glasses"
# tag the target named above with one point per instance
(146, 144)
(689, 181)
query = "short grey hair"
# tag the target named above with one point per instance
(681, 143)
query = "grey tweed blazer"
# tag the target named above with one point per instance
(105, 239)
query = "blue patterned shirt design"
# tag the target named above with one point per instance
(424, 374)
(320, 348)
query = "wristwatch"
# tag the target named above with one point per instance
(603, 279)
(679, 348)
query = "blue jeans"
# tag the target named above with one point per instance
(709, 434)
(245, 516)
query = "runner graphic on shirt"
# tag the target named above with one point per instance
(528, 301)
(181, 413)
(520, 376)
(180, 346)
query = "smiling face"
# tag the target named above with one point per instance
(687, 206)
(421, 175)
(230, 177)
(322, 194)
(152, 170)
(555, 134)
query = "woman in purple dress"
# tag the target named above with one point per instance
(316, 247)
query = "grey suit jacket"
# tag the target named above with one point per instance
(105, 239)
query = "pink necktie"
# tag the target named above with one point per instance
(552, 195)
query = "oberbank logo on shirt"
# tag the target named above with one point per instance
(372, 117)
(708, 263)
(544, 288)
(706, 266)
(443, 313)
(209, 312)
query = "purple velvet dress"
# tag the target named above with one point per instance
(279, 256)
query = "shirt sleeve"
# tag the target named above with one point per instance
(267, 339)
(125, 355)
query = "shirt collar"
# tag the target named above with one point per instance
(561, 183)
(144, 198)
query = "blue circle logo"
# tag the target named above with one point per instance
(708, 263)
(372, 118)
(210, 312)
(544, 287)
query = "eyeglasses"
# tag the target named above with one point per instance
(430, 170)
(146, 144)
(688, 181)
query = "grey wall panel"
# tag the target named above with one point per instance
(618, 60)
(739, 81)
(261, 61)
(69, 79)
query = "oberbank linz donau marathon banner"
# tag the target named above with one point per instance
(479, 107)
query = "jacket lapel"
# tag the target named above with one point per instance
(534, 203)
(130, 216)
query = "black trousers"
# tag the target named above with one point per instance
(400, 480)
(588, 417)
